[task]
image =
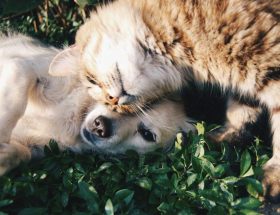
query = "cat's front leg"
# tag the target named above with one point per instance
(238, 115)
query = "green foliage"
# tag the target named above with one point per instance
(9, 7)
(52, 21)
(196, 177)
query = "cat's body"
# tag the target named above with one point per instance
(157, 46)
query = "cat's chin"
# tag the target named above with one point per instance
(134, 107)
(124, 109)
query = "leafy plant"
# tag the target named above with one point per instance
(196, 177)
(52, 21)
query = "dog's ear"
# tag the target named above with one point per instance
(65, 62)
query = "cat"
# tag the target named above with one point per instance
(137, 51)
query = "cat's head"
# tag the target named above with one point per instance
(120, 57)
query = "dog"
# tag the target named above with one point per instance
(36, 107)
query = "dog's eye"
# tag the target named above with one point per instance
(91, 80)
(146, 133)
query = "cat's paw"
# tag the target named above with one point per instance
(271, 182)
(8, 157)
(225, 133)
(230, 135)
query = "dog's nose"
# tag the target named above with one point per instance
(102, 127)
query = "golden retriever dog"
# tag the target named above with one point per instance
(36, 107)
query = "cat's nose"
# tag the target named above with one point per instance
(102, 127)
(112, 100)
(121, 99)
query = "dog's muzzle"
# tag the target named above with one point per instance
(101, 128)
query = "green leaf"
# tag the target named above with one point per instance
(245, 162)
(178, 142)
(248, 212)
(185, 212)
(174, 181)
(64, 199)
(164, 207)
(262, 160)
(109, 209)
(227, 193)
(8, 7)
(191, 179)
(253, 186)
(200, 128)
(191, 194)
(199, 151)
(83, 3)
(207, 166)
(79, 168)
(5, 202)
(104, 166)
(201, 185)
(221, 169)
(225, 152)
(218, 210)
(54, 147)
(196, 165)
(250, 172)
(87, 192)
(246, 203)
(145, 183)
(124, 195)
(230, 180)
(252, 191)
(32, 211)
(213, 195)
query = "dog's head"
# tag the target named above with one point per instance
(113, 133)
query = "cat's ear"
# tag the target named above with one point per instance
(65, 62)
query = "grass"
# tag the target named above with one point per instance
(196, 177)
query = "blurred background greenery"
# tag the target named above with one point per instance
(52, 21)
